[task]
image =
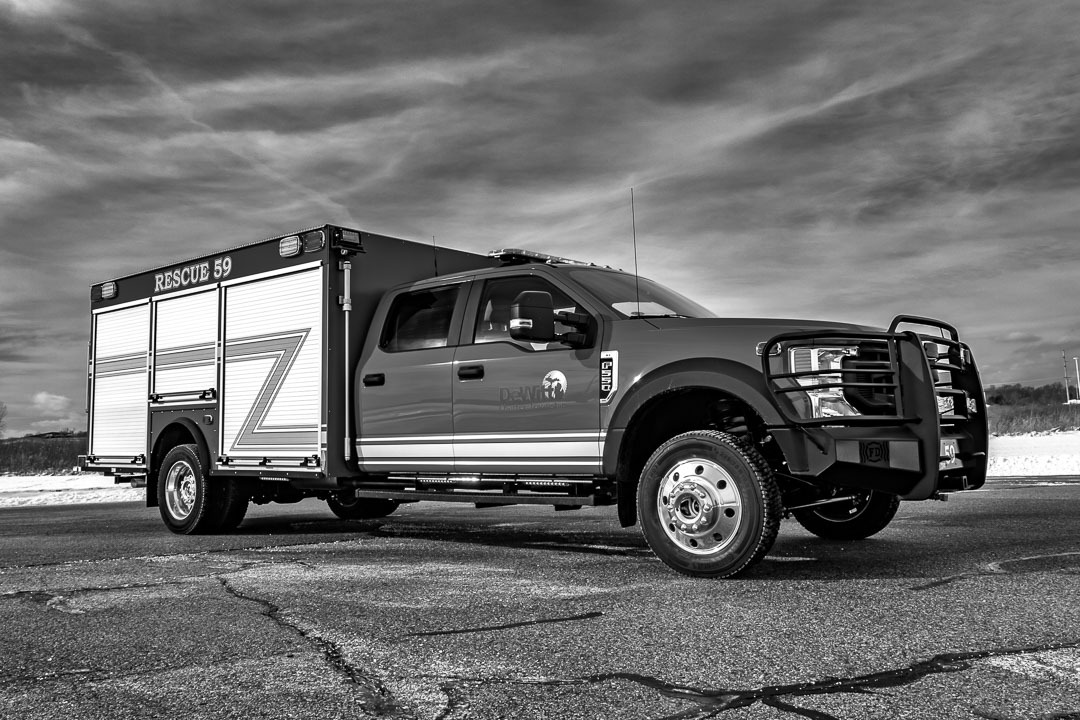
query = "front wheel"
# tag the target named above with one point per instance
(709, 505)
(865, 514)
(347, 506)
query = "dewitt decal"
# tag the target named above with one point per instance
(548, 394)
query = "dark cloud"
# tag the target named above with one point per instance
(835, 159)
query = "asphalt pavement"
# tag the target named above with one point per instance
(965, 609)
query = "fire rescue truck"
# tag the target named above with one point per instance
(371, 371)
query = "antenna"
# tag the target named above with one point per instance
(637, 282)
(435, 254)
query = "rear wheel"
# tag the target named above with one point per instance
(184, 493)
(190, 502)
(709, 505)
(866, 514)
(347, 506)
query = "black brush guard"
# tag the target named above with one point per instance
(904, 384)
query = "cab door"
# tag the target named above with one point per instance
(522, 407)
(405, 386)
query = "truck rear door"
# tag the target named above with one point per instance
(405, 388)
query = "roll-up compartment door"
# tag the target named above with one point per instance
(272, 402)
(118, 417)
(185, 349)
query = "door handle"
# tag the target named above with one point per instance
(471, 372)
(374, 379)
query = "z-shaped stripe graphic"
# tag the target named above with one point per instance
(283, 349)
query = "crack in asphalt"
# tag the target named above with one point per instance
(508, 626)
(171, 556)
(377, 699)
(991, 569)
(710, 703)
(48, 596)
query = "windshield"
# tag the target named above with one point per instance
(643, 298)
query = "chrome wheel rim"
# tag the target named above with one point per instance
(699, 506)
(180, 489)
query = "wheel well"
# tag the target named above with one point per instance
(178, 433)
(673, 413)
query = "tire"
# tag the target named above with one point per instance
(184, 496)
(866, 515)
(708, 504)
(233, 503)
(349, 507)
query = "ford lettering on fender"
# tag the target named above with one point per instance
(333, 363)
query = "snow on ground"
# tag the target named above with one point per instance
(1032, 455)
(1035, 454)
(16, 491)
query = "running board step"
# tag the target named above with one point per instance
(477, 497)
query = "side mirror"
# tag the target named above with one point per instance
(532, 317)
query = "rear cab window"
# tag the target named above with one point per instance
(420, 319)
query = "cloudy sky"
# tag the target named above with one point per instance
(843, 160)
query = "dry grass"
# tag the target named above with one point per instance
(1016, 419)
(40, 456)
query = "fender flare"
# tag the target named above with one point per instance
(733, 378)
(202, 446)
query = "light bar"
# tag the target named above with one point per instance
(516, 256)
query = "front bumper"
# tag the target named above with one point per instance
(921, 425)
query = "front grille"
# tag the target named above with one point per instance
(872, 391)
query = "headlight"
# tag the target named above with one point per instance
(825, 364)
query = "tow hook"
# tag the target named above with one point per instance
(939, 496)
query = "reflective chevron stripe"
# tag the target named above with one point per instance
(581, 450)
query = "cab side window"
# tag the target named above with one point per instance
(493, 318)
(419, 320)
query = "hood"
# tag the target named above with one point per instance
(767, 326)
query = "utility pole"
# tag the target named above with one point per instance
(1065, 367)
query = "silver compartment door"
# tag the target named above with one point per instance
(119, 384)
(273, 371)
